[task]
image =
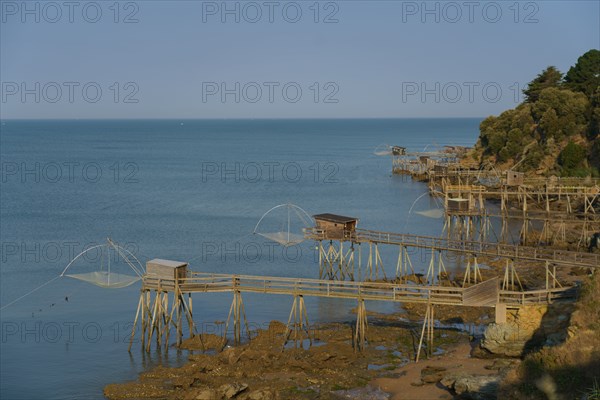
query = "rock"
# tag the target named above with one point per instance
(232, 355)
(502, 364)
(475, 387)
(230, 390)
(251, 355)
(505, 339)
(530, 327)
(363, 393)
(429, 370)
(184, 382)
(324, 357)
(203, 394)
(431, 378)
(432, 374)
(263, 394)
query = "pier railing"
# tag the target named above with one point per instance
(485, 294)
(454, 171)
(555, 190)
(488, 249)
(537, 296)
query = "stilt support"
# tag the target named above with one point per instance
(238, 312)
(441, 268)
(403, 265)
(297, 322)
(472, 272)
(360, 333)
(510, 277)
(426, 332)
(156, 318)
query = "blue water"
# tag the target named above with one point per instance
(183, 190)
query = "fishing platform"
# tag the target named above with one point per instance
(167, 286)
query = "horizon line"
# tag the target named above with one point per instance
(228, 119)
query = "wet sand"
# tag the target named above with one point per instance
(406, 383)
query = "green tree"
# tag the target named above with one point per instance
(571, 158)
(505, 135)
(594, 131)
(550, 77)
(595, 154)
(533, 158)
(560, 113)
(584, 76)
(555, 113)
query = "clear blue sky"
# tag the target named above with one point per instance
(375, 60)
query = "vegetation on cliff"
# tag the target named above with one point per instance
(555, 131)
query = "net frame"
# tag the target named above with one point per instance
(97, 277)
(289, 238)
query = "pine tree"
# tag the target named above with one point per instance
(550, 77)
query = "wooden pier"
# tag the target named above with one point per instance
(553, 207)
(441, 169)
(170, 282)
(338, 261)
(337, 275)
(157, 319)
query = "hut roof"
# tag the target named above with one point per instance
(334, 218)
(167, 263)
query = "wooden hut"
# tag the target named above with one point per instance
(430, 163)
(398, 151)
(458, 205)
(166, 269)
(514, 178)
(336, 227)
(440, 169)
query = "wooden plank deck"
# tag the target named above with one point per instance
(484, 294)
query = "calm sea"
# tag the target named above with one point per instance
(182, 190)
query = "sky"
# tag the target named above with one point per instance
(281, 59)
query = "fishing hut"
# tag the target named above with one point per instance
(465, 211)
(166, 269)
(335, 261)
(398, 151)
(401, 164)
(440, 169)
(335, 227)
(514, 178)
(163, 277)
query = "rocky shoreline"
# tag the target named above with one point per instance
(462, 364)
(465, 364)
(262, 369)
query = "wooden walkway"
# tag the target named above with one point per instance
(454, 172)
(531, 191)
(477, 248)
(485, 294)
(157, 318)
